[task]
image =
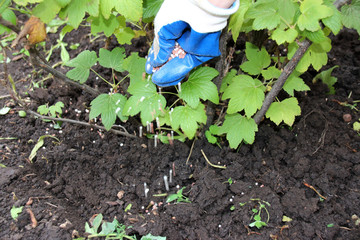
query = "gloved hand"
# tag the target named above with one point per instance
(196, 26)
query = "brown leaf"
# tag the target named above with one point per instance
(35, 28)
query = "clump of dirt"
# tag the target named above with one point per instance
(309, 173)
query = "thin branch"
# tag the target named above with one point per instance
(126, 134)
(289, 68)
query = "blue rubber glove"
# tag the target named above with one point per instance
(196, 26)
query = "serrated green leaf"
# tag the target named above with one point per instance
(311, 12)
(109, 106)
(64, 55)
(199, 86)
(265, 15)
(151, 7)
(271, 73)
(135, 66)
(245, 93)
(285, 110)
(57, 108)
(113, 59)
(257, 59)
(75, 11)
(316, 56)
(333, 22)
(210, 137)
(47, 10)
(237, 19)
(325, 77)
(81, 64)
(43, 110)
(63, 3)
(15, 211)
(187, 119)
(315, 37)
(123, 34)
(4, 4)
(131, 9)
(281, 36)
(351, 15)
(227, 80)
(97, 222)
(294, 82)
(100, 24)
(237, 128)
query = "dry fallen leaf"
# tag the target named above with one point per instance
(35, 28)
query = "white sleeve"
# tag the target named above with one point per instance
(202, 16)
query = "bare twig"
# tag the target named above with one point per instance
(213, 165)
(126, 134)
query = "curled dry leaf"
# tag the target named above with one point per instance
(35, 28)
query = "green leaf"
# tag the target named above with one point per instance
(265, 14)
(4, 110)
(38, 145)
(9, 16)
(135, 66)
(271, 73)
(25, 2)
(97, 222)
(325, 77)
(286, 219)
(311, 12)
(151, 7)
(108, 228)
(172, 197)
(237, 128)
(131, 9)
(281, 36)
(100, 24)
(257, 59)
(65, 57)
(199, 85)
(356, 126)
(43, 110)
(210, 137)
(316, 56)
(237, 19)
(123, 33)
(188, 118)
(294, 82)
(57, 108)
(285, 110)
(75, 11)
(245, 93)
(81, 64)
(109, 106)
(145, 100)
(227, 80)
(151, 237)
(15, 211)
(333, 22)
(47, 10)
(113, 59)
(351, 15)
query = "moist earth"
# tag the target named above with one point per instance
(309, 173)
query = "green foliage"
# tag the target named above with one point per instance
(351, 15)
(15, 211)
(109, 230)
(112, 59)
(4, 110)
(257, 59)
(53, 111)
(109, 106)
(81, 64)
(178, 197)
(285, 110)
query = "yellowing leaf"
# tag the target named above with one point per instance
(35, 28)
(285, 110)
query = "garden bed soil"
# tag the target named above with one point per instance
(90, 172)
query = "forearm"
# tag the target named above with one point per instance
(222, 3)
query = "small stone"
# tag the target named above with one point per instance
(347, 117)
(120, 194)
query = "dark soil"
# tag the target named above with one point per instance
(82, 175)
